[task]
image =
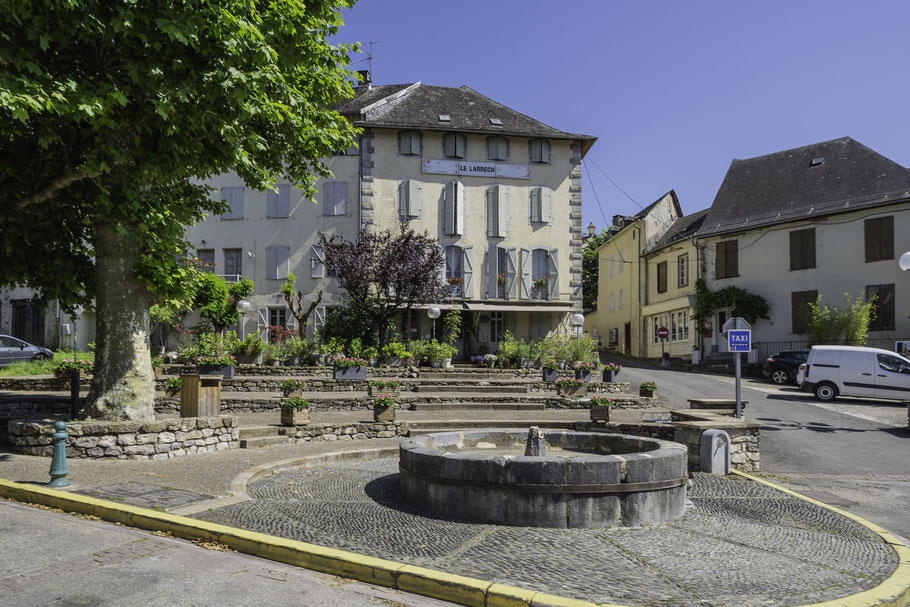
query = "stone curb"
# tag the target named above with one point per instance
(893, 591)
(428, 582)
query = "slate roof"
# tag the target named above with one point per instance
(420, 106)
(785, 186)
(684, 227)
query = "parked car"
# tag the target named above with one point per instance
(13, 350)
(833, 371)
(783, 366)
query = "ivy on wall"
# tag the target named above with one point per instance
(742, 302)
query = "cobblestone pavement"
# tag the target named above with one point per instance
(741, 543)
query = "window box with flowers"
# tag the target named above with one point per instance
(569, 386)
(346, 367)
(648, 388)
(384, 408)
(611, 370)
(600, 408)
(216, 364)
(295, 411)
(454, 286)
(390, 387)
(584, 371)
(293, 387)
(550, 370)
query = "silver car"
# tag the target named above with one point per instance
(13, 350)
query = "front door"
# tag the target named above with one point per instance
(627, 343)
(892, 377)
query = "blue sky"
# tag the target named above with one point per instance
(673, 90)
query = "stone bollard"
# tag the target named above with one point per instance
(58, 463)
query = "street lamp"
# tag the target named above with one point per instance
(904, 262)
(434, 313)
(242, 307)
(577, 321)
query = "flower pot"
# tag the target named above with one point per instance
(157, 371)
(643, 392)
(274, 363)
(610, 376)
(246, 359)
(394, 361)
(446, 363)
(226, 371)
(507, 364)
(350, 372)
(374, 391)
(572, 390)
(383, 414)
(599, 413)
(294, 417)
(583, 374)
(436, 363)
(454, 290)
(550, 375)
(293, 361)
(561, 364)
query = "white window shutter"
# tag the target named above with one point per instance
(545, 151)
(492, 271)
(622, 262)
(503, 207)
(449, 211)
(262, 324)
(320, 317)
(403, 205)
(341, 198)
(612, 264)
(510, 273)
(317, 262)
(525, 282)
(459, 208)
(546, 215)
(468, 273)
(535, 205)
(442, 268)
(493, 211)
(553, 274)
(415, 207)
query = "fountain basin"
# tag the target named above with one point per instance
(593, 480)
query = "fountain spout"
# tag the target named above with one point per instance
(536, 445)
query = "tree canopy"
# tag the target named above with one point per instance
(590, 269)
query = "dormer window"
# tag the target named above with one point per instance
(495, 121)
(454, 145)
(445, 118)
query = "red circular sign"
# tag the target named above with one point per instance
(663, 332)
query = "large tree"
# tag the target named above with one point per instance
(385, 273)
(590, 269)
(112, 114)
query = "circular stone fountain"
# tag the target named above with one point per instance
(583, 479)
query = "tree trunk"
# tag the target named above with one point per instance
(123, 387)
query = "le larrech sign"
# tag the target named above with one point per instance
(475, 169)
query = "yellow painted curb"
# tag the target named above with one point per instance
(893, 591)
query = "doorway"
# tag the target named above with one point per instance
(627, 342)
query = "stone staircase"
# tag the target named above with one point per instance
(488, 405)
(427, 427)
(253, 437)
(482, 388)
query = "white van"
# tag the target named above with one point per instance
(832, 371)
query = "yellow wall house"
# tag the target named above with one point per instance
(621, 275)
(498, 189)
(672, 269)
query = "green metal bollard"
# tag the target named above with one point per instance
(58, 463)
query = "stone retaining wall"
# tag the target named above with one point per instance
(163, 439)
(343, 432)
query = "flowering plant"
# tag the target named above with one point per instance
(289, 385)
(501, 278)
(490, 359)
(569, 382)
(454, 280)
(390, 384)
(384, 401)
(348, 361)
(68, 364)
(549, 365)
(157, 361)
(215, 360)
(172, 385)
(648, 386)
(295, 402)
(602, 401)
(586, 366)
(540, 281)
(612, 367)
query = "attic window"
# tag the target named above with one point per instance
(495, 121)
(817, 161)
(445, 118)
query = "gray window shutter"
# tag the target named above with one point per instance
(449, 204)
(525, 282)
(461, 143)
(328, 198)
(403, 198)
(284, 254)
(262, 324)
(503, 207)
(320, 317)
(449, 145)
(415, 206)
(493, 211)
(341, 198)
(553, 274)
(510, 273)
(317, 262)
(278, 204)
(233, 195)
(459, 208)
(271, 262)
(492, 270)
(546, 215)
(535, 205)
(409, 143)
(545, 151)
(454, 208)
(442, 268)
(468, 273)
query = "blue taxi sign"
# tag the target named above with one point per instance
(739, 340)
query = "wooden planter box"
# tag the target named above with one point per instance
(383, 414)
(226, 371)
(572, 390)
(374, 391)
(157, 371)
(599, 413)
(350, 372)
(643, 392)
(294, 417)
(583, 375)
(200, 396)
(550, 375)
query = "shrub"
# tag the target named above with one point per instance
(587, 366)
(649, 386)
(215, 360)
(396, 349)
(602, 401)
(390, 384)
(295, 402)
(289, 385)
(172, 385)
(68, 364)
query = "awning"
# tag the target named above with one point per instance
(492, 307)
(677, 303)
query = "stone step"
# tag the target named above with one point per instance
(421, 428)
(490, 389)
(466, 376)
(487, 406)
(262, 441)
(258, 431)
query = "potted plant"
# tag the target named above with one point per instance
(347, 367)
(172, 386)
(389, 387)
(372, 355)
(489, 360)
(247, 351)
(583, 371)
(611, 370)
(66, 367)
(295, 411)
(600, 408)
(292, 347)
(569, 386)
(384, 408)
(648, 388)
(454, 286)
(395, 354)
(550, 370)
(157, 366)
(525, 360)
(216, 364)
(293, 387)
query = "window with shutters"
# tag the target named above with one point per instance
(206, 260)
(278, 204)
(662, 277)
(799, 310)
(497, 148)
(317, 263)
(497, 326)
(278, 320)
(539, 151)
(539, 205)
(335, 198)
(655, 325)
(539, 273)
(410, 203)
(502, 261)
(682, 268)
(727, 259)
(233, 264)
(276, 262)
(409, 143)
(622, 298)
(459, 270)
(611, 300)
(497, 211)
(454, 145)
(410, 324)
(879, 234)
(802, 249)
(882, 297)
(454, 208)
(233, 196)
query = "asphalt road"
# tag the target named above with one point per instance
(852, 453)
